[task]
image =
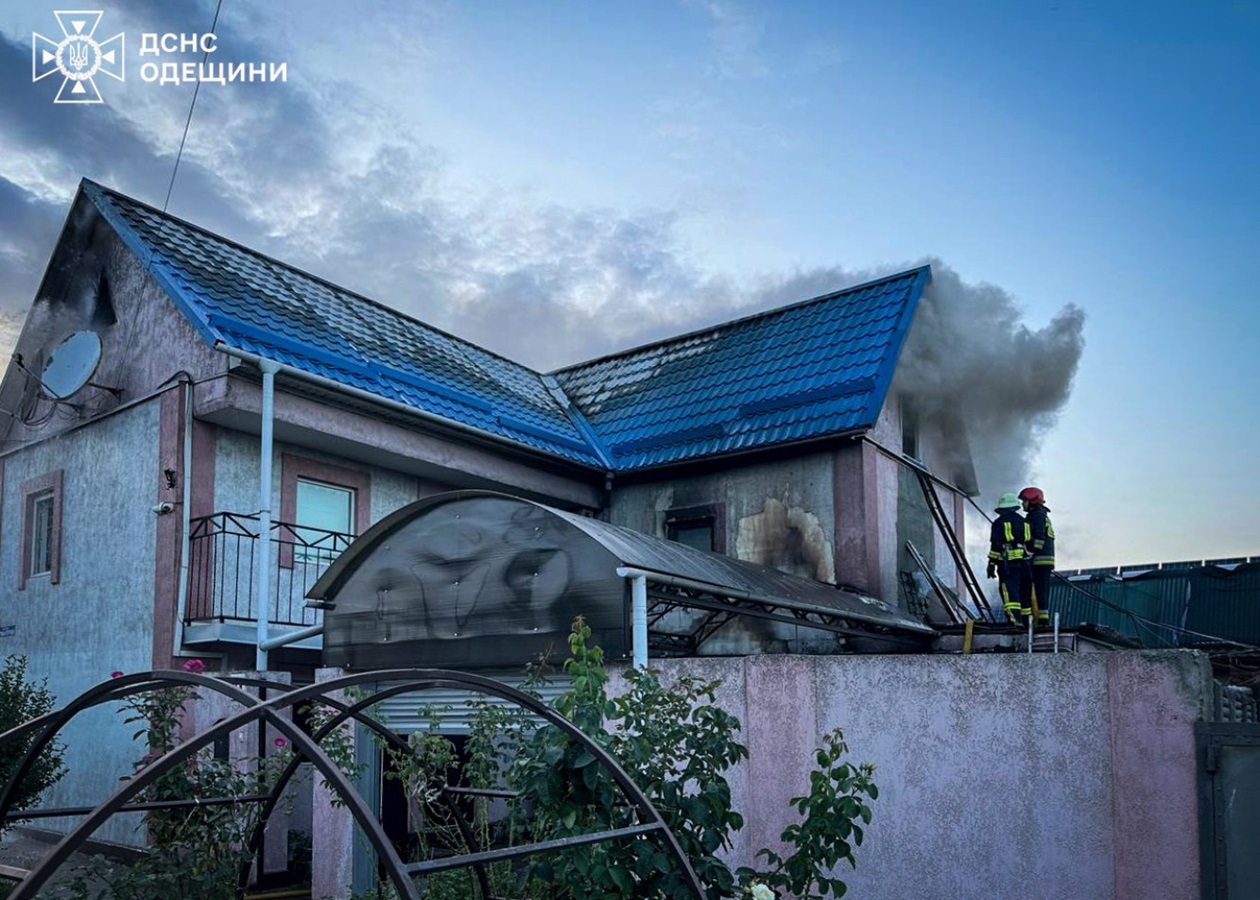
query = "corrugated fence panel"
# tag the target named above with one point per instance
(1215, 602)
(1226, 604)
(1075, 604)
(408, 713)
(1159, 597)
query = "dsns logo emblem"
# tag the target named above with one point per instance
(78, 56)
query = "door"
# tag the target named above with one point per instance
(1229, 809)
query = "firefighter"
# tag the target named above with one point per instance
(1009, 539)
(1037, 514)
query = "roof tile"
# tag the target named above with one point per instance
(809, 370)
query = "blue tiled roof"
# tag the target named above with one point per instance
(256, 304)
(800, 372)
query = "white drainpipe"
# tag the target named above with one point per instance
(638, 619)
(292, 637)
(181, 604)
(263, 592)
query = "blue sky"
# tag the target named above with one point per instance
(600, 173)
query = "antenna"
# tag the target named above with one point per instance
(71, 365)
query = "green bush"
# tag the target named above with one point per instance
(20, 701)
(677, 745)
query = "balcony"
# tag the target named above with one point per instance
(223, 576)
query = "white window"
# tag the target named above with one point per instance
(41, 529)
(322, 508)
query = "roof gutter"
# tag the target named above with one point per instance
(394, 405)
(722, 591)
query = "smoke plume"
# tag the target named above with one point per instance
(971, 359)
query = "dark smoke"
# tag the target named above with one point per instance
(971, 355)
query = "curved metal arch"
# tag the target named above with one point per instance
(357, 713)
(268, 710)
(52, 722)
(255, 709)
(424, 679)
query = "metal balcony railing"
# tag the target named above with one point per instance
(222, 574)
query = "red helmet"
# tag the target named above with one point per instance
(1033, 495)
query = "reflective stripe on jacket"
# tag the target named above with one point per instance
(1042, 543)
(1009, 537)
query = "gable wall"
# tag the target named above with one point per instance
(99, 617)
(904, 513)
(150, 342)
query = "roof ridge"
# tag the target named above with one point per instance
(731, 323)
(305, 274)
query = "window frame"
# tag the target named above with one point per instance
(299, 468)
(911, 430)
(711, 514)
(34, 491)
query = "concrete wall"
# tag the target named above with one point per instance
(1042, 777)
(99, 617)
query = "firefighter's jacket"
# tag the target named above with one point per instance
(1009, 537)
(1042, 544)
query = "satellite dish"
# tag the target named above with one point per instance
(71, 365)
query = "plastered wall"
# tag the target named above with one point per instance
(1044, 777)
(99, 617)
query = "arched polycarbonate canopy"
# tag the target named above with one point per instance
(477, 579)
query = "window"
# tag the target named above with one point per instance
(909, 428)
(697, 533)
(701, 527)
(317, 498)
(41, 529)
(40, 562)
(321, 508)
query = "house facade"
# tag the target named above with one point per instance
(158, 360)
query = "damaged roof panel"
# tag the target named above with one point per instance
(813, 369)
(474, 578)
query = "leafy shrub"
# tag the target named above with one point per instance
(21, 701)
(676, 744)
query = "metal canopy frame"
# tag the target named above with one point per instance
(720, 608)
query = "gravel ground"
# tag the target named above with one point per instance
(23, 849)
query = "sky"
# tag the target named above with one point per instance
(556, 180)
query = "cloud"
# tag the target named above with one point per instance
(735, 35)
(318, 174)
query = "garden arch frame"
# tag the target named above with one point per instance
(269, 712)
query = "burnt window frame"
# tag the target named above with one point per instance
(911, 428)
(712, 515)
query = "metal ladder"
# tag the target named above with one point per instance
(951, 541)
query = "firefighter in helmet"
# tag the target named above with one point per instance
(1037, 514)
(1009, 539)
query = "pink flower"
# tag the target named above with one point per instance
(115, 674)
(281, 743)
(194, 665)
